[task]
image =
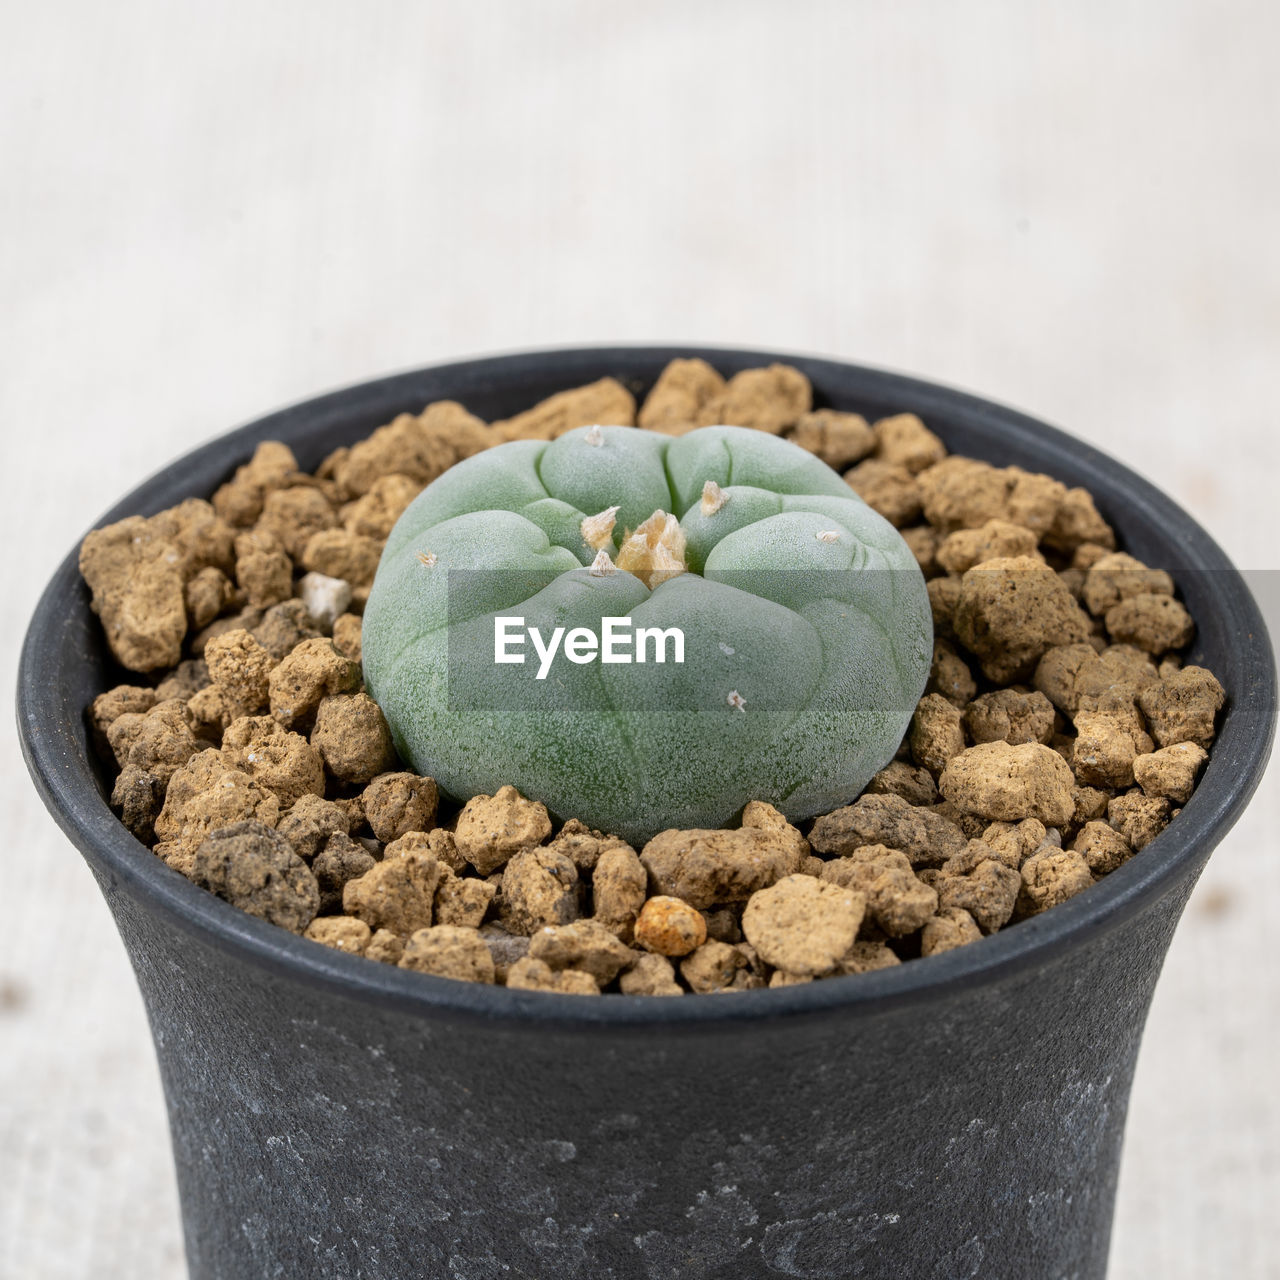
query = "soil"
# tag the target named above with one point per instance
(1059, 734)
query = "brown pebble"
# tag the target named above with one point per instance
(1050, 878)
(1171, 771)
(952, 927)
(926, 837)
(280, 761)
(922, 542)
(293, 516)
(944, 596)
(374, 513)
(839, 439)
(283, 627)
(605, 401)
(958, 552)
(397, 803)
(352, 737)
(491, 829)
(239, 501)
(759, 815)
(124, 699)
(988, 893)
(206, 595)
(678, 396)
(964, 493)
(770, 399)
(722, 925)
(1182, 706)
(780, 978)
(866, 957)
(385, 946)
(412, 447)
(254, 868)
(585, 945)
(582, 845)
(396, 894)
(138, 797)
(204, 796)
(1010, 715)
(890, 490)
(463, 900)
(896, 900)
(338, 553)
(158, 741)
(529, 974)
(618, 887)
(239, 668)
(440, 844)
(1077, 523)
(950, 676)
(1115, 576)
(1153, 623)
(207, 715)
(670, 927)
(1102, 847)
(1010, 611)
(911, 783)
(1105, 748)
(135, 578)
(340, 861)
(905, 441)
(1139, 818)
(347, 636)
(936, 733)
(803, 925)
(712, 967)
(447, 951)
(310, 672)
(1091, 803)
(970, 825)
(263, 568)
(1010, 843)
(505, 948)
(539, 887)
(1076, 677)
(705, 867)
(342, 933)
(650, 975)
(1006, 784)
(310, 822)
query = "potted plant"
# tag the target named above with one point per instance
(960, 1116)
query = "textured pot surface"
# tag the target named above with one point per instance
(954, 1117)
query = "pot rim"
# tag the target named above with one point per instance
(59, 758)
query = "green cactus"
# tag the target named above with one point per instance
(806, 624)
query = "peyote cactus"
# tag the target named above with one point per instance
(806, 628)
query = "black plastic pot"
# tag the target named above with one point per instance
(958, 1116)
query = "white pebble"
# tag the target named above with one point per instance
(326, 598)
